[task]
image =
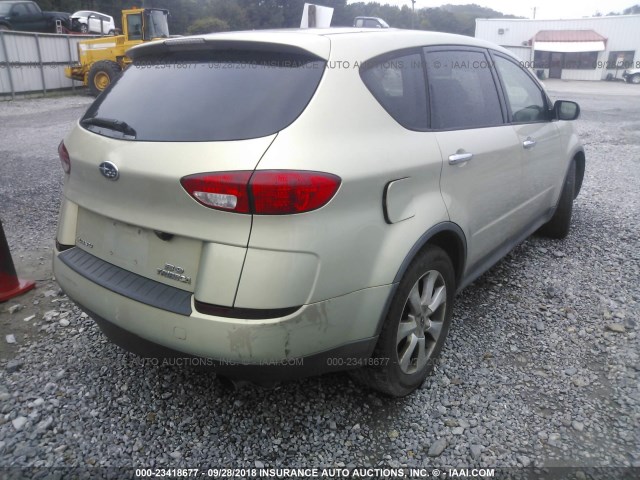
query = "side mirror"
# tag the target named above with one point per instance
(566, 110)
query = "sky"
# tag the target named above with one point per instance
(545, 9)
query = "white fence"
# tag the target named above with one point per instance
(35, 62)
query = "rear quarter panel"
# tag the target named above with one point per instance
(345, 131)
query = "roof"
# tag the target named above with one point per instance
(568, 36)
(322, 42)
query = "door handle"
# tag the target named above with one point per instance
(529, 143)
(458, 158)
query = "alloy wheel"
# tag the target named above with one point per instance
(422, 321)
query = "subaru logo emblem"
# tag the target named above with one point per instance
(109, 170)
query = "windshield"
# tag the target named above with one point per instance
(156, 24)
(205, 96)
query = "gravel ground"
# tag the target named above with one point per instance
(541, 367)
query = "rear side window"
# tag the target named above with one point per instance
(188, 97)
(397, 83)
(462, 90)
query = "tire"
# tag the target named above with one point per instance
(399, 349)
(84, 28)
(111, 33)
(4, 28)
(635, 79)
(559, 225)
(101, 75)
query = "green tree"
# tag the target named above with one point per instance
(230, 11)
(258, 14)
(261, 14)
(208, 25)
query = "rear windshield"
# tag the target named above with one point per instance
(212, 96)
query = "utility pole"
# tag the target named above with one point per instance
(413, 13)
(534, 13)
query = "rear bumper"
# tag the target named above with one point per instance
(334, 334)
(342, 358)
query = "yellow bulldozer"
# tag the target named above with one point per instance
(101, 60)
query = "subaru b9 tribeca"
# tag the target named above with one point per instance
(290, 202)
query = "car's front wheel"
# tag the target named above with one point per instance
(84, 28)
(415, 327)
(559, 225)
(635, 79)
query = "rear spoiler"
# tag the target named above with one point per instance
(284, 42)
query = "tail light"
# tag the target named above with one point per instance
(64, 158)
(282, 192)
(222, 191)
(266, 192)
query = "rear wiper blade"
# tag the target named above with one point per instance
(110, 123)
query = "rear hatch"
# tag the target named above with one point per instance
(179, 110)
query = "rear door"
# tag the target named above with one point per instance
(481, 173)
(99, 23)
(93, 22)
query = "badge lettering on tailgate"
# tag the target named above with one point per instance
(83, 242)
(174, 273)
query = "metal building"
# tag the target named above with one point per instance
(594, 48)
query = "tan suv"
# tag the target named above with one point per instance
(280, 204)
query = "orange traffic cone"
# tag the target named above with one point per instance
(10, 285)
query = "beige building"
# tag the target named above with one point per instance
(594, 48)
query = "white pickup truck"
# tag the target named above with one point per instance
(27, 16)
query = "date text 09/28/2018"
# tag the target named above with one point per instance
(332, 473)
